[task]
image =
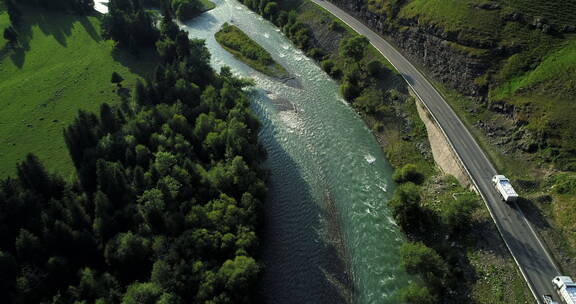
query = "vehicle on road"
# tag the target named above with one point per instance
(548, 299)
(505, 189)
(566, 289)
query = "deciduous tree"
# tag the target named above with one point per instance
(354, 48)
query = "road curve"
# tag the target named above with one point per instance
(536, 265)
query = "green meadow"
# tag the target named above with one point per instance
(61, 66)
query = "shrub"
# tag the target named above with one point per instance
(336, 73)
(457, 213)
(349, 90)
(315, 53)
(327, 65)
(353, 74)
(331, 69)
(336, 26)
(186, 9)
(375, 67)
(142, 293)
(299, 33)
(354, 48)
(408, 173)
(270, 10)
(417, 294)
(406, 208)
(565, 183)
(420, 259)
(371, 101)
(281, 19)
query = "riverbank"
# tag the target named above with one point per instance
(486, 272)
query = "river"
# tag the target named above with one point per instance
(328, 235)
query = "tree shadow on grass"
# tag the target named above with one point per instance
(89, 28)
(60, 24)
(51, 23)
(17, 52)
(18, 56)
(141, 64)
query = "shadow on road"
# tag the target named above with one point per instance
(532, 213)
(409, 79)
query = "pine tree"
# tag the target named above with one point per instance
(11, 35)
(117, 79)
(109, 122)
(14, 12)
(33, 176)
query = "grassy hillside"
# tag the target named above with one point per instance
(483, 15)
(535, 73)
(554, 74)
(62, 66)
(560, 12)
(455, 16)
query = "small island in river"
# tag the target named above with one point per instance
(187, 9)
(235, 41)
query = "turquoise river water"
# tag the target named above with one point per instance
(328, 235)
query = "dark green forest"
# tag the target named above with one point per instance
(130, 25)
(182, 9)
(167, 197)
(76, 6)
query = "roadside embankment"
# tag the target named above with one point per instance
(444, 156)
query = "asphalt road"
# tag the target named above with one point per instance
(534, 262)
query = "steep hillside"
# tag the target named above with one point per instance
(516, 58)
